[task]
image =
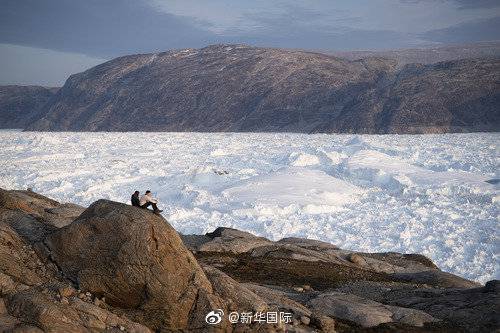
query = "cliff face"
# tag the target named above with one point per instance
(20, 105)
(240, 88)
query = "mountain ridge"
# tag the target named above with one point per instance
(20, 105)
(238, 88)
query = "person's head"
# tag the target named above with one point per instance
(148, 192)
(136, 192)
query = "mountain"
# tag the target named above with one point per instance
(430, 55)
(240, 88)
(19, 105)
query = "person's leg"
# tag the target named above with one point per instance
(155, 209)
(146, 205)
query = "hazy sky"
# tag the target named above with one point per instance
(44, 41)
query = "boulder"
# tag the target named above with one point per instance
(193, 242)
(232, 240)
(365, 312)
(133, 258)
(237, 295)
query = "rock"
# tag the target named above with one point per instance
(472, 310)
(193, 242)
(18, 262)
(290, 251)
(365, 312)
(228, 289)
(63, 214)
(67, 291)
(324, 323)
(232, 240)
(26, 329)
(274, 297)
(3, 309)
(274, 265)
(26, 201)
(492, 286)
(356, 259)
(305, 320)
(436, 278)
(34, 307)
(135, 259)
(311, 244)
(31, 228)
(410, 263)
(34, 216)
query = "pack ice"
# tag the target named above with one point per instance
(431, 194)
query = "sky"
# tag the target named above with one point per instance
(42, 42)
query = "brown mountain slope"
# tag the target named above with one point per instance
(20, 104)
(240, 88)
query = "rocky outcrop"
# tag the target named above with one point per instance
(143, 267)
(34, 216)
(366, 312)
(225, 240)
(239, 88)
(21, 105)
(34, 296)
(120, 268)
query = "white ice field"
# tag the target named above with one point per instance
(429, 194)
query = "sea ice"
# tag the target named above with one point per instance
(430, 194)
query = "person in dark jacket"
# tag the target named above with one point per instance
(135, 199)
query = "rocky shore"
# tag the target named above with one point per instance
(112, 267)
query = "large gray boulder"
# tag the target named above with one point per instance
(133, 258)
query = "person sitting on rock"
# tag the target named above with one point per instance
(148, 200)
(135, 199)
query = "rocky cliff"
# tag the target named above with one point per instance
(113, 267)
(21, 105)
(240, 88)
